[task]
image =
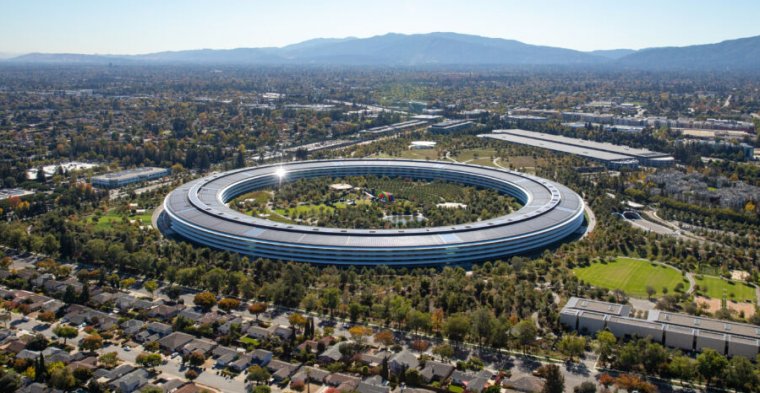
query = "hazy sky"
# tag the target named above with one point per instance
(142, 26)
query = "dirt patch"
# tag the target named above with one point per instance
(739, 275)
(714, 305)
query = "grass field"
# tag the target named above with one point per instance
(419, 154)
(113, 217)
(631, 275)
(304, 209)
(474, 154)
(715, 287)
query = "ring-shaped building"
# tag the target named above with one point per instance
(198, 212)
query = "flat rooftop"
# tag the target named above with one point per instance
(585, 144)
(451, 123)
(562, 148)
(705, 324)
(129, 173)
(598, 306)
(6, 193)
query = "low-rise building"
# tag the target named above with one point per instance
(129, 176)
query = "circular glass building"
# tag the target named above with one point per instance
(198, 212)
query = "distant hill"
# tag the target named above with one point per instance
(441, 49)
(612, 53)
(739, 54)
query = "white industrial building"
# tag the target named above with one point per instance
(682, 331)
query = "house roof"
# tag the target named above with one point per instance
(175, 340)
(405, 359)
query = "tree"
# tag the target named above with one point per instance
(151, 286)
(711, 364)
(173, 292)
(445, 351)
(682, 367)
(109, 360)
(330, 299)
(585, 387)
(228, 304)
(525, 332)
(482, 324)
(654, 358)
(740, 375)
(191, 374)
(385, 337)
(9, 380)
(355, 311)
(260, 389)
(205, 300)
(66, 332)
(62, 378)
(572, 345)
(149, 360)
(456, 327)
(37, 343)
(605, 342)
(358, 333)
(196, 358)
(46, 316)
(39, 369)
(555, 381)
(398, 306)
(297, 320)
(257, 308)
(92, 342)
(257, 374)
(417, 320)
(127, 282)
(650, 291)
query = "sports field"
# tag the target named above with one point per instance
(633, 276)
(716, 287)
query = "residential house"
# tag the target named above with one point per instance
(402, 361)
(281, 370)
(373, 385)
(262, 357)
(174, 342)
(203, 346)
(258, 332)
(131, 382)
(436, 371)
(242, 363)
(332, 354)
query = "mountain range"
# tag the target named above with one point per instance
(434, 49)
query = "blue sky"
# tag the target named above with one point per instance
(143, 26)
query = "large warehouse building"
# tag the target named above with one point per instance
(614, 156)
(129, 176)
(198, 212)
(682, 331)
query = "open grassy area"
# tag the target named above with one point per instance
(417, 154)
(716, 287)
(475, 154)
(305, 209)
(631, 275)
(113, 217)
(261, 197)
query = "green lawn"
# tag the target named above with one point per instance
(416, 154)
(475, 154)
(631, 275)
(113, 217)
(304, 209)
(716, 287)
